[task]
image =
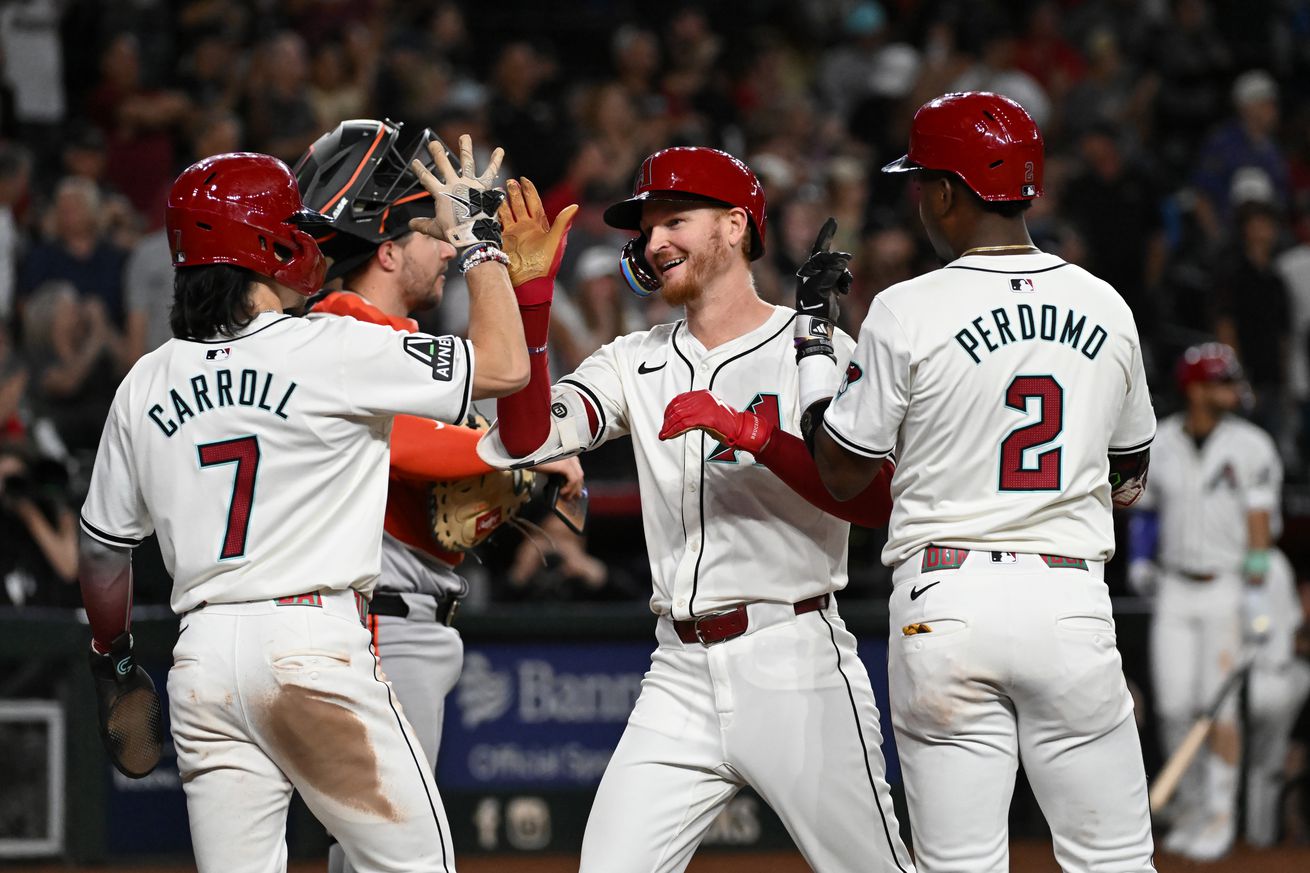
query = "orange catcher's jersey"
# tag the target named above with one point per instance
(261, 460)
(1002, 384)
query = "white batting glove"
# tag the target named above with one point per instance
(466, 202)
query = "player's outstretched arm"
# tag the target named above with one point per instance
(784, 454)
(466, 204)
(535, 246)
(844, 473)
(105, 576)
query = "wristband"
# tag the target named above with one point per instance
(480, 254)
(818, 378)
(1256, 563)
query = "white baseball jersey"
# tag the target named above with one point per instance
(720, 530)
(999, 382)
(1203, 493)
(261, 459)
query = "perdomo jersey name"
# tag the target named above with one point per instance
(219, 389)
(1023, 322)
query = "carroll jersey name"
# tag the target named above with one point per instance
(219, 389)
(1023, 322)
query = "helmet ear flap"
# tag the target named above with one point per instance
(637, 271)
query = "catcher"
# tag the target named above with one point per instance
(442, 499)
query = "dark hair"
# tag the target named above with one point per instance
(1003, 208)
(210, 300)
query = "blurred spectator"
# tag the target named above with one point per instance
(635, 53)
(1112, 92)
(995, 68)
(598, 309)
(13, 388)
(77, 251)
(281, 116)
(214, 133)
(1254, 312)
(138, 121)
(1248, 140)
(1113, 203)
(342, 77)
(33, 67)
(1047, 56)
(523, 120)
(74, 359)
(866, 63)
(1193, 64)
(1293, 266)
(15, 174)
(38, 531)
(148, 281)
(210, 74)
(84, 153)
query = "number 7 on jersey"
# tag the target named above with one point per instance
(244, 452)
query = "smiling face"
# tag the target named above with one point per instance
(689, 245)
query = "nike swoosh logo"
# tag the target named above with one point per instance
(915, 592)
(461, 200)
(808, 308)
(643, 369)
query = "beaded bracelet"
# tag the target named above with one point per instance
(480, 254)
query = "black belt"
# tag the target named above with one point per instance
(393, 603)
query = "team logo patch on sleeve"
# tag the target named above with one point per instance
(438, 352)
(853, 375)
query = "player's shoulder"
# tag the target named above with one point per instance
(641, 343)
(1249, 434)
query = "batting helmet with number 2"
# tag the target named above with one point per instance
(989, 141)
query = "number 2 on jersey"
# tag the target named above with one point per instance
(244, 452)
(1050, 407)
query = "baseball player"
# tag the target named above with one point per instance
(755, 680)
(255, 446)
(1010, 387)
(359, 174)
(1214, 507)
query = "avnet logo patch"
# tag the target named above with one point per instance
(438, 352)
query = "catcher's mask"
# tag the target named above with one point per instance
(685, 173)
(359, 176)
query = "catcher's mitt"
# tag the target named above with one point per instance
(464, 512)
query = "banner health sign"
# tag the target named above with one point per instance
(548, 716)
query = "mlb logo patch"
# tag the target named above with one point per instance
(1004, 558)
(218, 354)
(1022, 286)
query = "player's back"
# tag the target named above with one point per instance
(261, 460)
(1019, 369)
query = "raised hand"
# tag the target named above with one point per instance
(466, 202)
(534, 245)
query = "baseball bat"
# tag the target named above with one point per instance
(1172, 773)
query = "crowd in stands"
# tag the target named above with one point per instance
(1177, 136)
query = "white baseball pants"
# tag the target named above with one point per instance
(786, 709)
(265, 698)
(1017, 664)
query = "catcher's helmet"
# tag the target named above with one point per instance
(694, 173)
(244, 209)
(1208, 362)
(359, 176)
(989, 141)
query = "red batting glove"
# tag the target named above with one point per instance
(701, 410)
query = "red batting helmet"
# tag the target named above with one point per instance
(694, 173)
(989, 141)
(244, 209)
(1208, 362)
